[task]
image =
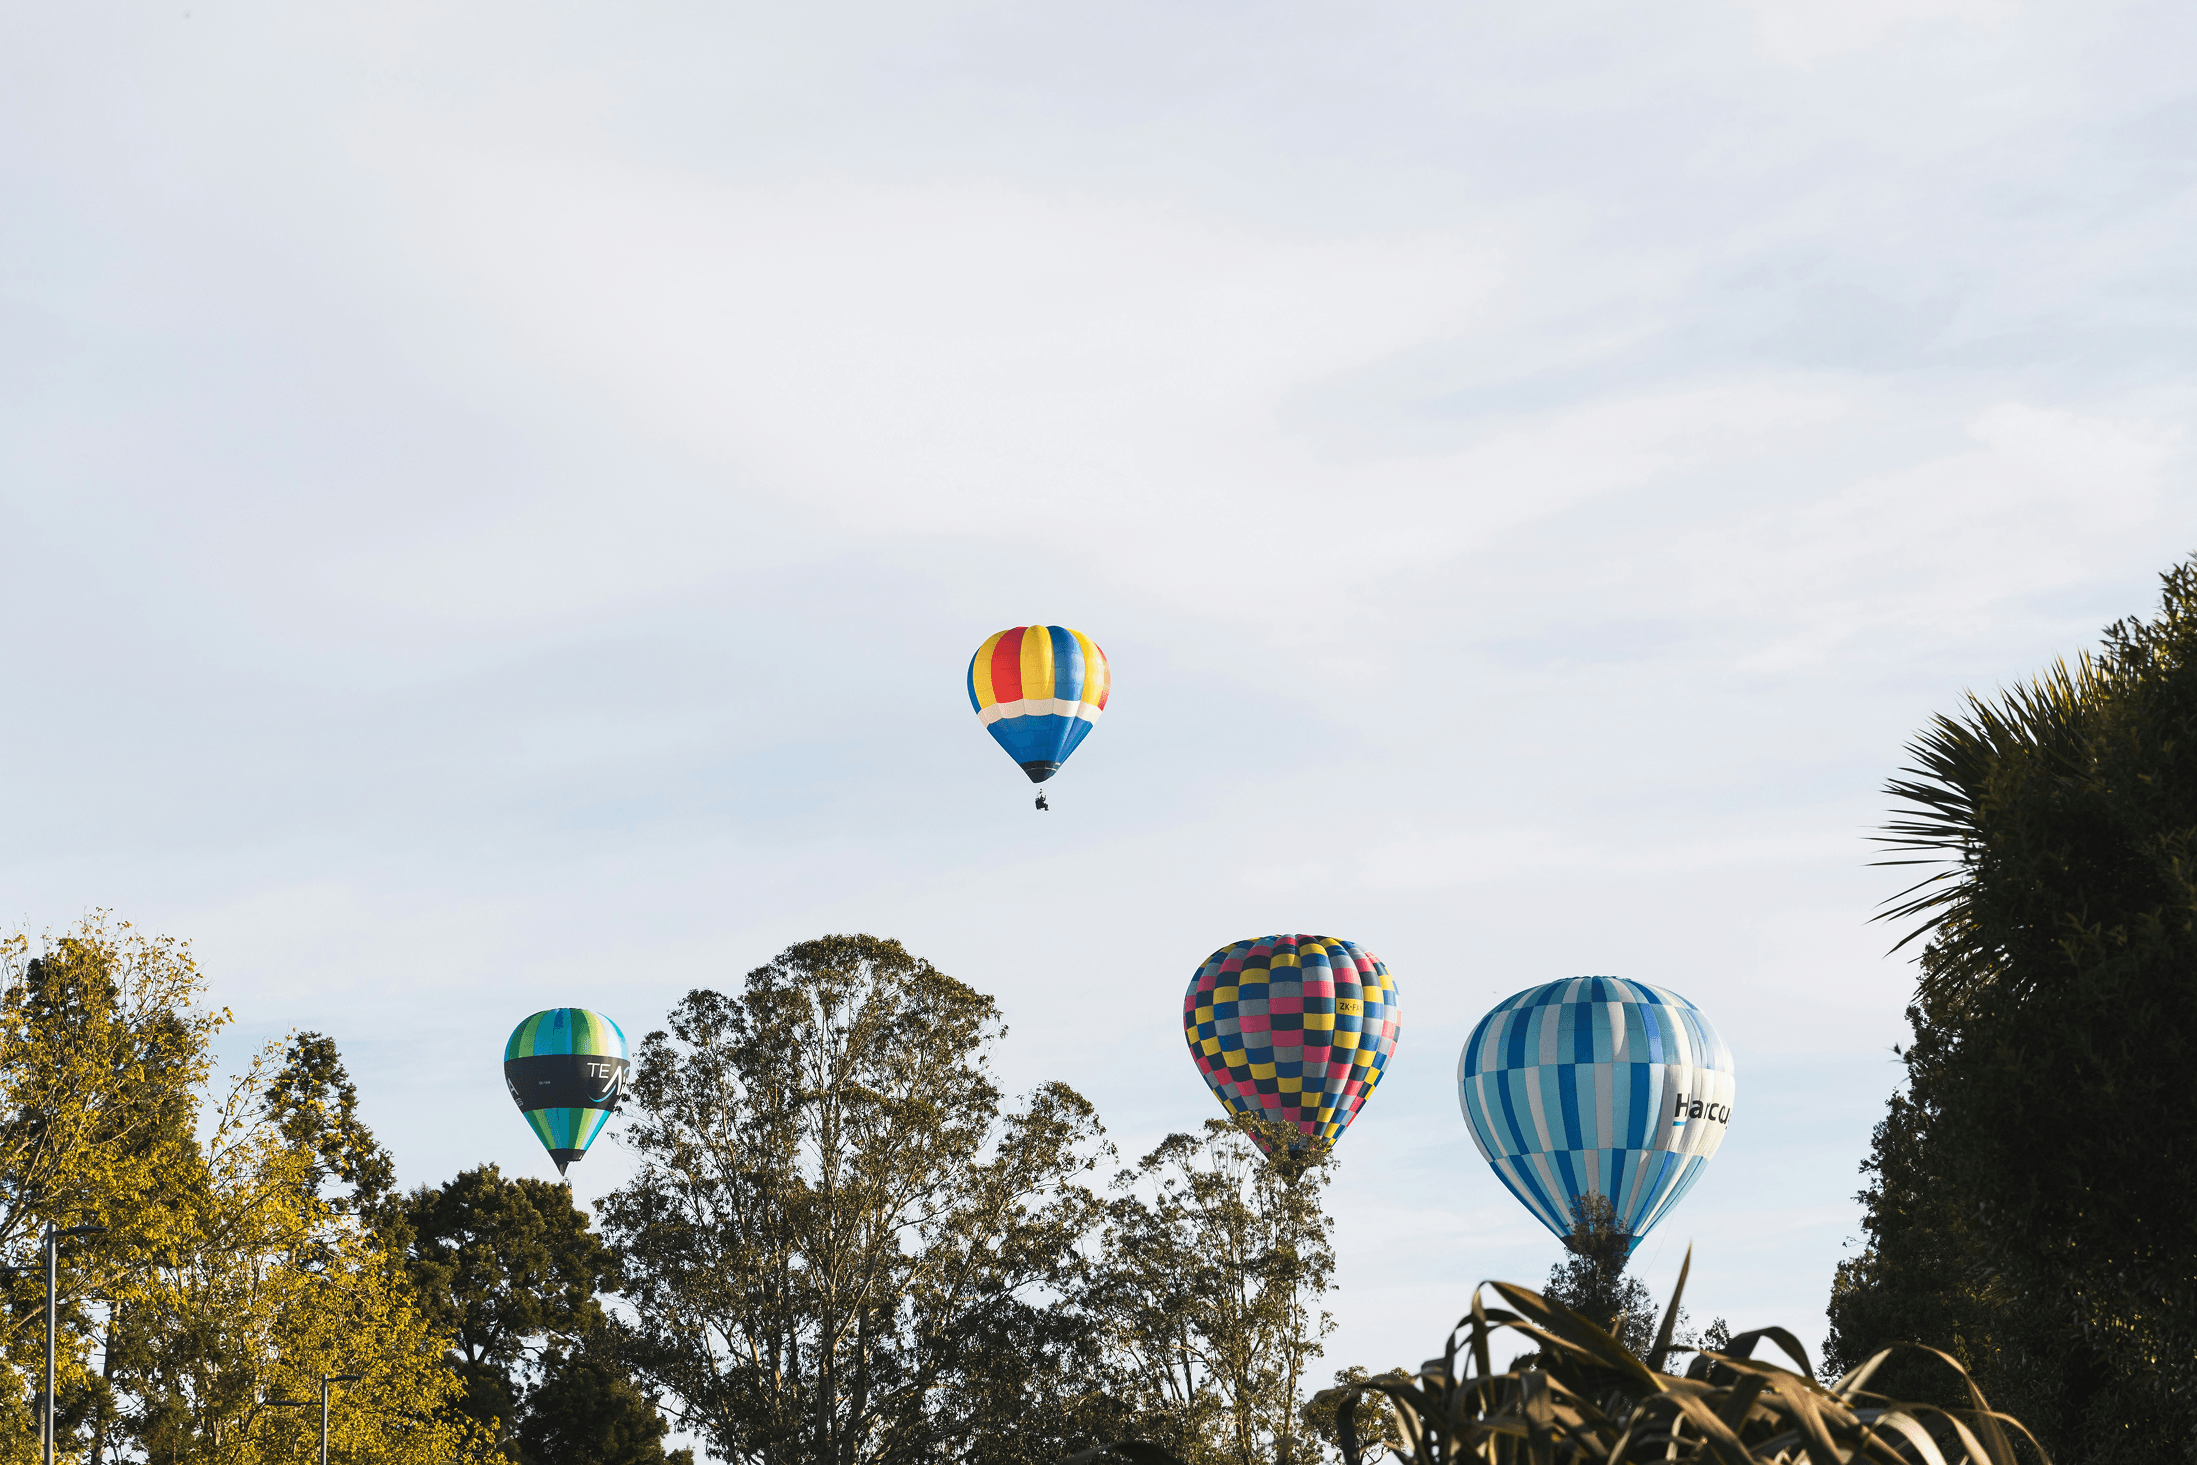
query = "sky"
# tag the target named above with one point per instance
(496, 503)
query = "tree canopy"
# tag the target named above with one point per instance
(840, 1245)
(2030, 1206)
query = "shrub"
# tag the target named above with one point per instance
(1593, 1402)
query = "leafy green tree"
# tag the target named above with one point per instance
(510, 1270)
(312, 1099)
(840, 1246)
(2032, 1207)
(1209, 1287)
(1591, 1279)
(586, 1411)
(1923, 1274)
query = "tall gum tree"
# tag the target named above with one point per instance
(840, 1246)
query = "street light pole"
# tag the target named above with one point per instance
(325, 1380)
(45, 1415)
(53, 1270)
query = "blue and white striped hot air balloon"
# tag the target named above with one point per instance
(1596, 1085)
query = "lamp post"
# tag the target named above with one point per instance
(53, 1269)
(325, 1380)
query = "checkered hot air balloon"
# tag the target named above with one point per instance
(1295, 1029)
(564, 1068)
(1039, 690)
(1596, 1085)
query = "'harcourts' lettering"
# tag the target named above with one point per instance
(1696, 1109)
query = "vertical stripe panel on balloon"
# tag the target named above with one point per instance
(1682, 1037)
(1511, 1090)
(1640, 1113)
(1573, 1181)
(1605, 1110)
(1098, 681)
(1622, 1167)
(1537, 1105)
(1567, 1099)
(1007, 667)
(1474, 1093)
(1658, 1170)
(1626, 1198)
(1487, 1052)
(1517, 1028)
(1504, 1138)
(1067, 664)
(1537, 1165)
(981, 686)
(1659, 1137)
(1037, 662)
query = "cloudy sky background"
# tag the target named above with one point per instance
(495, 505)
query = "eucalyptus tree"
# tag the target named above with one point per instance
(1208, 1292)
(840, 1244)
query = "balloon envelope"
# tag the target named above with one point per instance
(1039, 690)
(1596, 1084)
(564, 1068)
(1296, 1029)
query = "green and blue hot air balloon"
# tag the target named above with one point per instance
(564, 1068)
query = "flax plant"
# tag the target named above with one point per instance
(1590, 1401)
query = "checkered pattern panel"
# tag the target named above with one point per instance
(1296, 1029)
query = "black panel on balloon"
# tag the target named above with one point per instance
(564, 1080)
(1039, 772)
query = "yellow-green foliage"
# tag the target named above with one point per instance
(223, 1279)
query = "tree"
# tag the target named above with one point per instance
(103, 1045)
(839, 1245)
(223, 1277)
(509, 1269)
(586, 1411)
(1592, 1281)
(262, 1286)
(2031, 1207)
(1375, 1425)
(1209, 1284)
(1922, 1276)
(313, 1100)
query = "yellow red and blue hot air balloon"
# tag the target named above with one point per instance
(1039, 690)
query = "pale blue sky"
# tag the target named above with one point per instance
(496, 507)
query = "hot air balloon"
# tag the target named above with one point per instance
(1295, 1029)
(564, 1068)
(1038, 690)
(1596, 1085)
